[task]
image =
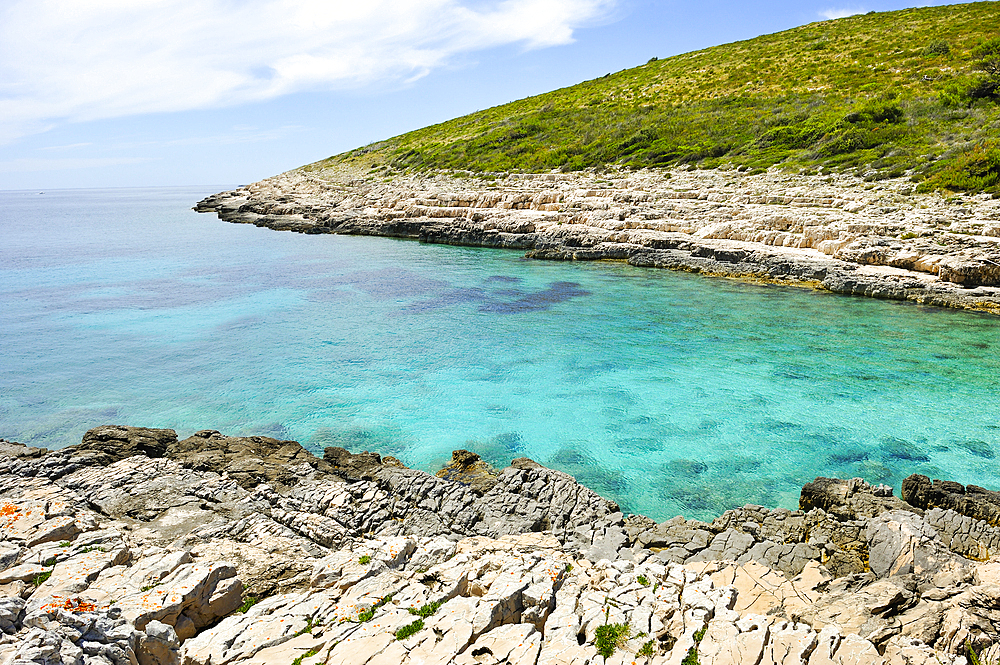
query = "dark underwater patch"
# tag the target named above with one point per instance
(847, 456)
(900, 449)
(274, 430)
(589, 473)
(873, 471)
(454, 297)
(687, 467)
(356, 440)
(978, 448)
(538, 301)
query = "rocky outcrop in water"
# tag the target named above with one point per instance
(138, 547)
(833, 232)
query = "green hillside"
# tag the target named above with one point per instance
(913, 92)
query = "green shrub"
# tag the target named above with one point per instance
(642, 580)
(410, 629)
(609, 637)
(367, 615)
(248, 602)
(956, 93)
(976, 170)
(40, 579)
(427, 610)
(646, 651)
(308, 628)
(986, 59)
(307, 654)
(986, 49)
(692, 655)
(937, 47)
(365, 560)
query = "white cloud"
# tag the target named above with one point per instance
(831, 14)
(39, 164)
(78, 60)
(72, 146)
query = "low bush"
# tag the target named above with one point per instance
(609, 637)
(976, 170)
(410, 629)
(426, 610)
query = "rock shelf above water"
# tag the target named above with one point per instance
(835, 232)
(137, 547)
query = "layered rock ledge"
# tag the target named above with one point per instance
(835, 232)
(137, 547)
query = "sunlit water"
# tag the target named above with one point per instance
(670, 393)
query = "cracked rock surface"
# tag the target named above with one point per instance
(135, 547)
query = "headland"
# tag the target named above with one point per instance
(835, 232)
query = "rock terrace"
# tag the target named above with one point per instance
(832, 232)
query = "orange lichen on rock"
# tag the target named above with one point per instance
(10, 511)
(70, 604)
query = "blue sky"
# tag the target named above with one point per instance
(114, 93)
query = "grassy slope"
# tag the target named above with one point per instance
(873, 93)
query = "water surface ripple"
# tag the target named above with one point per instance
(668, 392)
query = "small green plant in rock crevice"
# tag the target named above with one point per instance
(248, 602)
(427, 610)
(609, 637)
(410, 629)
(308, 628)
(307, 654)
(365, 559)
(646, 651)
(40, 579)
(642, 580)
(369, 614)
(692, 655)
(976, 658)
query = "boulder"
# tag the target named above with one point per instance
(158, 645)
(902, 543)
(848, 499)
(249, 460)
(972, 501)
(469, 469)
(111, 443)
(362, 466)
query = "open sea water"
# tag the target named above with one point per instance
(668, 392)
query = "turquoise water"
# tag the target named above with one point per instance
(670, 393)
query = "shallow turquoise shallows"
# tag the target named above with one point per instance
(667, 392)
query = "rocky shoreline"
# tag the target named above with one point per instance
(137, 547)
(833, 232)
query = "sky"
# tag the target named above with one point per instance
(118, 93)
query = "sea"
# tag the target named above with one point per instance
(670, 393)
